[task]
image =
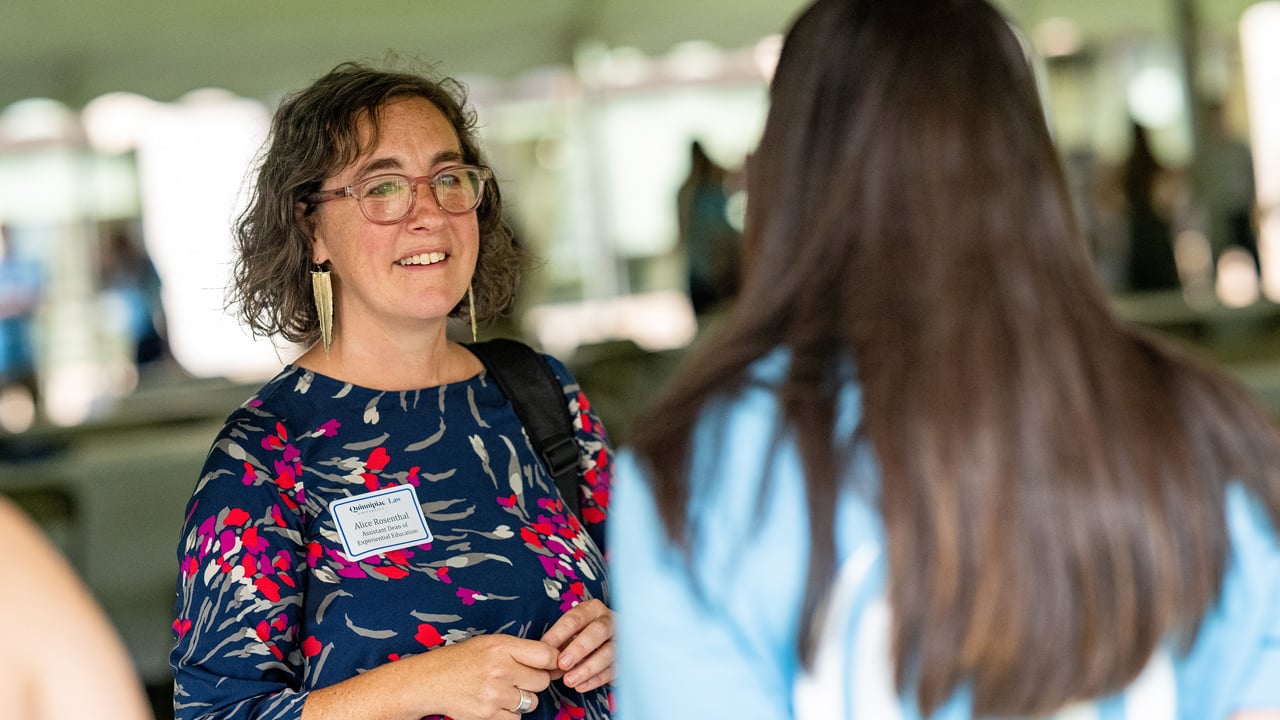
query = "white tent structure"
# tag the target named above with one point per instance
(73, 52)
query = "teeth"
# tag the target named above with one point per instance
(424, 259)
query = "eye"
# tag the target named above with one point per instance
(449, 180)
(384, 187)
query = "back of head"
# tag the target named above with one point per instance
(906, 211)
(906, 140)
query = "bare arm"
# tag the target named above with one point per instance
(1257, 715)
(62, 659)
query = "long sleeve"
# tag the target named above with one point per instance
(241, 566)
(596, 457)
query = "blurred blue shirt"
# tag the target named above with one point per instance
(714, 635)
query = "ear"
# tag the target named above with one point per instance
(319, 249)
(307, 221)
(302, 215)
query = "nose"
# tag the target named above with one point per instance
(423, 200)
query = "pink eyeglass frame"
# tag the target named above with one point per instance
(485, 174)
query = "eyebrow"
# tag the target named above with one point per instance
(390, 163)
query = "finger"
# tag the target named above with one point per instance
(523, 696)
(586, 642)
(531, 679)
(572, 622)
(534, 653)
(595, 681)
(599, 662)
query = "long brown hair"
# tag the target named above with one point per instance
(1052, 479)
(313, 135)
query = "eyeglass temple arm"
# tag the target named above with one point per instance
(320, 196)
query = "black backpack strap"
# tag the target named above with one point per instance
(538, 398)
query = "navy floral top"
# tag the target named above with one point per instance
(273, 601)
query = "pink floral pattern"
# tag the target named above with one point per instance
(268, 605)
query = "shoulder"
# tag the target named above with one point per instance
(267, 398)
(271, 427)
(746, 476)
(1252, 582)
(255, 417)
(1252, 579)
(53, 626)
(25, 549)
(1252, 530)
(514, 355)
(747, 427)
(289, 403)
(562, 372)
(1238, 642)
(39, 585)
(742, 462)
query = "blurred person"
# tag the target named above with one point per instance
(924, 470)
(1147, 190)
(21, 285)
(710, 243)
(62, 658)
(1229, 187)
(129, 281)
(372, 534)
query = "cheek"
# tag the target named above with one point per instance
(473, 232)
(343, 241)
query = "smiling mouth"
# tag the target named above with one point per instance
(423, 259)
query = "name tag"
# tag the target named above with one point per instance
(380, 521)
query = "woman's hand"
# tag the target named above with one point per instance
(480, 678)
(584, 636)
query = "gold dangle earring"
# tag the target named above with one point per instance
(322, 289)
(471, 311)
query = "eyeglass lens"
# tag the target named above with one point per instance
(387, 198)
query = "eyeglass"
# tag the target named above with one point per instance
(388, 199)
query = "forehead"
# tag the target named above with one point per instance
(403, 123)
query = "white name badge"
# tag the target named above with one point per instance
(380, 521)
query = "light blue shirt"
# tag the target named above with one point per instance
(715, 636)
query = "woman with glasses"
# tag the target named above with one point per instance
(372, 534)
(925, 471)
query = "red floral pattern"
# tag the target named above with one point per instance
(268, 604)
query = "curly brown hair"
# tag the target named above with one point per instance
(313, 135)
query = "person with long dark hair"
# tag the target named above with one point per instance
(924, 470)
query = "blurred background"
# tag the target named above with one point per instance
(618, 129)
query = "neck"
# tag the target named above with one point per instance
(393, 363)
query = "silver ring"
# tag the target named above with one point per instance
(526, 702)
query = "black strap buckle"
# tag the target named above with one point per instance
(561, 454)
